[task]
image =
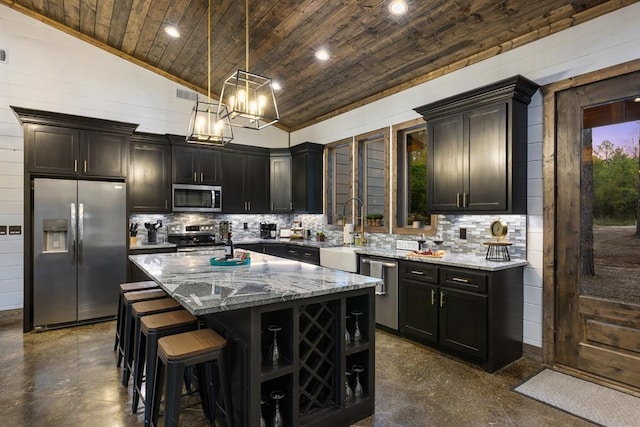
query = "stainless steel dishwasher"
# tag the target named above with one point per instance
(387, 293)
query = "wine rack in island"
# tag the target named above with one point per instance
(307, 362)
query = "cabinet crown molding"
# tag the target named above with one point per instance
(40, 117)
(517, 88)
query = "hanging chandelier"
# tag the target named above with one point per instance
(210, 122)
(250, 97)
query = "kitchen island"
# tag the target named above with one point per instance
(305, 309)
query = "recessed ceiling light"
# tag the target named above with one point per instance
(398, 7)
(275, 85)
(172, 31)
(322, 54)
(637, 99)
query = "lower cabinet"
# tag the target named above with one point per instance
(476, 315)
(308, 254)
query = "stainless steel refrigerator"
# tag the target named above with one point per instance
(79, 249)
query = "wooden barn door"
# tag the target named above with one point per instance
(597, 244)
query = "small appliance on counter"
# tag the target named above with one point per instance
(268, 230)
(296, 230)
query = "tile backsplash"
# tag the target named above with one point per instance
(477, 229)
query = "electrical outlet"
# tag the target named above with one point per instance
(3, 230)
(463, 233)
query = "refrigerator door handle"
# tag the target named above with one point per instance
(80, 232)
(73, 233)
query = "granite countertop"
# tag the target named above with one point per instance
(141, 246)
(450, 259)
(203, 289)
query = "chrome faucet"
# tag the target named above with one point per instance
(363, 241)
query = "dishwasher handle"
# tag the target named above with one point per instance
(382, 288)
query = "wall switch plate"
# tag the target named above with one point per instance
(3, 230)
(463, 233)
(15, 229)
(407, 245)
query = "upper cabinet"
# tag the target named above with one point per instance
(478, 149)
(196, 165)
(245, 180)
(66, 145)
(280, 179)
(306, 172)
(150, 174)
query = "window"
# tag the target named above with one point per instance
(410, 180)
(339, 179)
(372, 174)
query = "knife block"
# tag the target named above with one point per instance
(152, 236)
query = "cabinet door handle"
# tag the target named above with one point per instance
(291, 206)
(85, 166)
(75, 165)
(458, 279)
(441, 298)
(419, 273)
(307, 254)
(433, 297)
(249, 206)
(291, 252)
(195, 177)
(201, 176)
(464, 200)
(272, 206)
(166, 204)
(457, 200)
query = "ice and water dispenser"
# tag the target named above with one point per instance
(55, 235)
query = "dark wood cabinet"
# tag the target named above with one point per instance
(477, 149)
(67, 151)
(303, 253)
(150, 174)
(246, 182)
(473, 314)
(280, 181)
(306, 172)
(194, 165)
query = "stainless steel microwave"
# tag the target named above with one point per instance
(197, 198)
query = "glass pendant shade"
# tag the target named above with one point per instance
(210, 124)
(250, 97)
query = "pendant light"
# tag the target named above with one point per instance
(209, 119)
(250, 97)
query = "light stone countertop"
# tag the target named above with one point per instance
(203, 289)
(450, 259)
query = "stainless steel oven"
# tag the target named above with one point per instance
(387, 293)
(197, 198)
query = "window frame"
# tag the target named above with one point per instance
(396, 131)
(332, 212)
(360, 144)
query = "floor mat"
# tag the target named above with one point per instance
(582, 398)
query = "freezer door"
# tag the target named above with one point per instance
(54, 264)
(102, 249)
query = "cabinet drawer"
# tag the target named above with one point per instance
(418, 271)
(463, 279)
(310, 255)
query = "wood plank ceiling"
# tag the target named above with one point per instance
(373, 53)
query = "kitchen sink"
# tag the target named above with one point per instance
(340, 258)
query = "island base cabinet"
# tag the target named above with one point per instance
(463, 322)
(314, 363)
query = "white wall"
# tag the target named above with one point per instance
(50, 70)
(609, 40)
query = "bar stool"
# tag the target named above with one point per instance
(138, 311)
(126, 334)
(175, 353)
(129, 287)
(152, 328)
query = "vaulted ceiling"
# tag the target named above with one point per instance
(373, 53)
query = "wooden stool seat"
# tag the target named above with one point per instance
(193, 344)
(204, 349)
(137, 286)
(147, 294)
(129, 287)
(145, 308)
(152, 328)
(160, 321)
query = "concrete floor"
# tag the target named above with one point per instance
(68, 377)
